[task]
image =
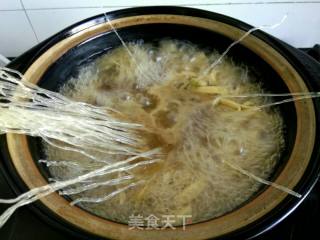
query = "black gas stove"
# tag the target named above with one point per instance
(303, 223)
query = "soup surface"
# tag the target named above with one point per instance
(207, 140)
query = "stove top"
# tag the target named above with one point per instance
(302, 223)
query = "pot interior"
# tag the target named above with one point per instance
(76, 58)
